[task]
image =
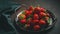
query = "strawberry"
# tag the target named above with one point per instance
(31, 8)
(37, 10)
(42, 14)
(35, 21)
(28, 13)
(42, 22)
(22, 16)
(36, 16)
(23, 21)
(42, 10)
(36, 27)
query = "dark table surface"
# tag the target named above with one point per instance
(52, 5)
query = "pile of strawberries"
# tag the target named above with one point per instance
(33, 18)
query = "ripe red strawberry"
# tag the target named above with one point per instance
(23, 21)
(36, 16)
(35, 21)
(36, 27)
(31, 8)
(42, 14)
(37, 10)
(42, 10)
(42, 22)
(28, 13)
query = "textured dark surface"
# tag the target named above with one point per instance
(52, 5)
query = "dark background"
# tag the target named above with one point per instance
(52, 5)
